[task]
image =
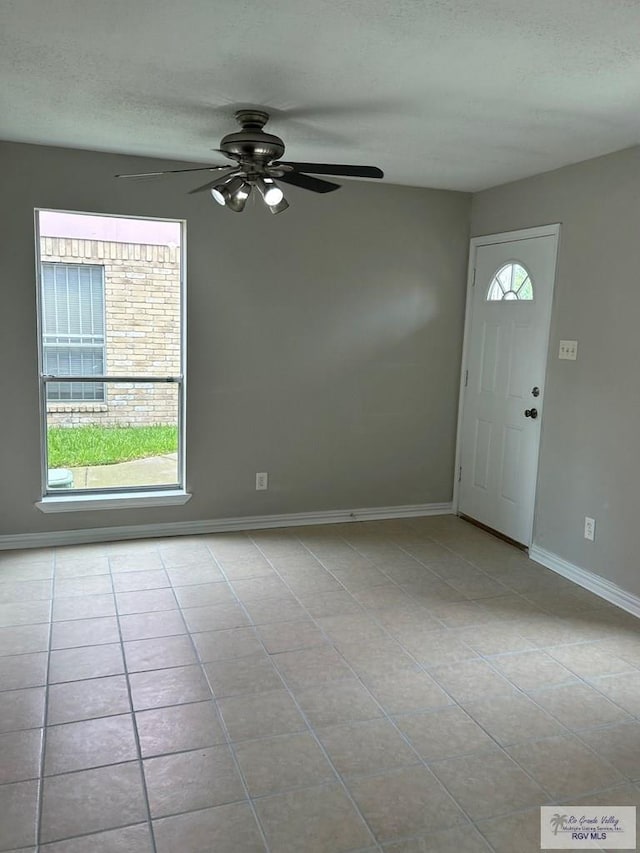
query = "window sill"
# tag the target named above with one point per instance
(128, 500)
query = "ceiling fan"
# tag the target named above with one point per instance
(256, 166)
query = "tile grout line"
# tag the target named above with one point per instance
(43, 745)
(223, 725)
(134, 722)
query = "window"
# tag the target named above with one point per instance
(110, 303)
(73, 328)
(511, 282)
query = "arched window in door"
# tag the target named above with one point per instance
(512, 281)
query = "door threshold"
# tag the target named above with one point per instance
(495, 533)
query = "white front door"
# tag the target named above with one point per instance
(504, 375)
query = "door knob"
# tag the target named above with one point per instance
(531, 413)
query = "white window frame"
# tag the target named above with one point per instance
(70, 500)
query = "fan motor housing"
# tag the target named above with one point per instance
(252, 142)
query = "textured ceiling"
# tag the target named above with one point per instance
(459, 94)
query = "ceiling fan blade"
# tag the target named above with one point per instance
(306, 182)
(172, 172)
(335, 169)
(211, 184)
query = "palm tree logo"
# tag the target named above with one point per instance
(557, 822)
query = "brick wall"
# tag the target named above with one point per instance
(142, 315)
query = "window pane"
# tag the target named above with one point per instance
(130, 441)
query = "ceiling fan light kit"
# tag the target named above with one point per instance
(256, 155)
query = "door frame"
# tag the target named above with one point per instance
(551, 230)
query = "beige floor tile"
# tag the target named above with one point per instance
(471, 680)
(135, 562)
(624, 690)
(313, 582)
(272, 765)
(227, 644)
(533, 670)
(188, 575)
(85, 632)
(355, 577)
(323, 816)
(589, 660)
(261, 588)
(215, 617)
(330, 603)
(564, 766)
(91, 800)
(176, 686)
(85, 662)
(20, 755)
(130, 839)
(84, 700)
(24, 590)
(178, 727)
(307, 667)
(377, 658)
(225, 829)
(494, 640)
(351, 628)
(275, 610)
(70, 567)
(404, 802)
(288, 636)
(83, 586)
(204, 594)
(344, 702)
(22, 709)
(260, 715)
(17, 671)
(619, 745)
(501, 831)
(443, 647)
(83, 607)
(381, 597)
(24, 639)
(401, 692)
(443, 734)
(364, 748)
(463, 839)
(578, 706)
(466, 779)
(24, 613)
(459, 614)
(255, 674)
(145, 601)
(159, 653)
(142, 626)
(133, 581)
(186, 781)
(19, 810)
(513, 718)
(90, 743)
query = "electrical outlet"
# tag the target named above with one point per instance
(262, 482)
(589, 528)
(568, 350)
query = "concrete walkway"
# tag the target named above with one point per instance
(152, 471)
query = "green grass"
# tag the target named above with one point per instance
(73, 447)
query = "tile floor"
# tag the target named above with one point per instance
(411, 686)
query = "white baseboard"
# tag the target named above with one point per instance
(220, 525)
(595, 583)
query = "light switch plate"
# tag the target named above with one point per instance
(568, 350)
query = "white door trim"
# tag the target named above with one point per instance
(551, 230)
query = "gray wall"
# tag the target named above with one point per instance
(324, 343)
(590, 450)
